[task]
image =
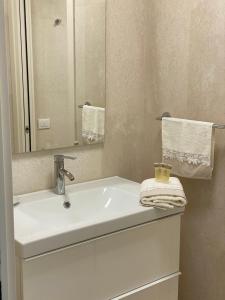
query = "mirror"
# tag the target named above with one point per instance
(62, 97)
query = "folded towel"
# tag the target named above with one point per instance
(189, 147)
(162, 195)
(93, 124)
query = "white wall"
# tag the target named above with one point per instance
(6, 205)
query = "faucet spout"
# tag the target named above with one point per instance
(60, 173)
(67, 174)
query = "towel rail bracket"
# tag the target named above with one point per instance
(86, 103)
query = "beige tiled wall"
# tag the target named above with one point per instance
(161, 56)
(188, 67)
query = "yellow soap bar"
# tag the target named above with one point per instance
(162, 172)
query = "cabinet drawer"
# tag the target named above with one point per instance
(107, 266)
(164, 289)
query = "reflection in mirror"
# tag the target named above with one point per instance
(62, 103)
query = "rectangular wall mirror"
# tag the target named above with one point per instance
(59, 74)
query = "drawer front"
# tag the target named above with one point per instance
(164, 289)
(107, 266)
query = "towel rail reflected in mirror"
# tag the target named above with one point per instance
(86, 103)
(168, 115)
(61, 64)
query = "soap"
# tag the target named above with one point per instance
(162, 172)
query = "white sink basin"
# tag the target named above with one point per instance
(99, 207)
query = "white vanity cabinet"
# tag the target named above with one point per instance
(165, 288)
(138, 263)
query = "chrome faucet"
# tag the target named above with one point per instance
(60, 173)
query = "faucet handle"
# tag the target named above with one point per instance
(69, 157)
(61, 157)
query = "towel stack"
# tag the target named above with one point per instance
(163, 195)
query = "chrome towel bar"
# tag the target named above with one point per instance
(86, 103)
(168, 115)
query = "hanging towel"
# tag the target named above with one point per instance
(93, 124)
(162, 195)
(189, 147)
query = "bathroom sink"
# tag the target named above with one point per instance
(96, 203)
(99, 207)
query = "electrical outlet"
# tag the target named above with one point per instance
(43, 123)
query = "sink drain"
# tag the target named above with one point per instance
(66, 204)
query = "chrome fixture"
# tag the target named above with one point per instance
(168, 115)
(60, 173)
(86, 103)
(164, 115)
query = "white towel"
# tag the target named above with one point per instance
(162, 195)
(189, 147)
(93, 124)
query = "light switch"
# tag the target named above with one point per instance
(43, 123)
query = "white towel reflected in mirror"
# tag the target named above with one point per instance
(93, 124)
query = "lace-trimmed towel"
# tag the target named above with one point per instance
(93, 124)
(189, 147)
